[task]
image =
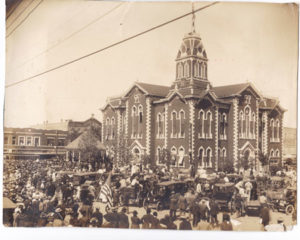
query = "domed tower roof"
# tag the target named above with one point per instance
(191, 46)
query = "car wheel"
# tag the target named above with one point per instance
(289, 209)
(145, 203)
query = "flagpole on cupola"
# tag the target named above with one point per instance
(193, 18)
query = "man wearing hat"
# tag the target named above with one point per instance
(98, 215)
(173, 205)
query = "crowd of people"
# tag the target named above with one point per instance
(44, 197)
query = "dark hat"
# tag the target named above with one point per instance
(135, 212)
(124, 209)
(280, 220)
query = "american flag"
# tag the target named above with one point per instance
(106, 193)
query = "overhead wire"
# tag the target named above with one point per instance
(12, 10)
(24, 19)
(110, 46)
(69, 36)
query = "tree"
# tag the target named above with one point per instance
(264, 160)
(89, 147)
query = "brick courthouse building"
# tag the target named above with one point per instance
(192, 121)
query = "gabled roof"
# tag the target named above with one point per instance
(270, 103)
(233, 90)
(151, 89)
(229, 90)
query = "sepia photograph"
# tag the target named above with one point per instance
(150, 115)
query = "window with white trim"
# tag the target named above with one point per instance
(186, 69)
(181, 157)
(28, 141)
(173, 156)
(201, 157)
(181, 124)
(241, 124)
(134, 121)
(140, 121)
(196, 69)
(209, 122)
(174, 127)
(253, 125)
(113, 128)
(107, 128)
(272, 153)
(208, 162)
(201, 121)
(179, 71)
(223, 126)
(272, 129)
(278, 130)
(247, 122)
(277, 153)
(22, 141)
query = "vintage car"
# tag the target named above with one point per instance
(283, 201)
(159, 198)
(222, 193)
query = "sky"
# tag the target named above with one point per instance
(245, 42)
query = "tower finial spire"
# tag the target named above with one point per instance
(193, 18)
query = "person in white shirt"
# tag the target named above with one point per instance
(248, 187)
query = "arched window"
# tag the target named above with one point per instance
(181, 122)
(241, 124)
(201, 121)
(272, 129)
(200, 156)
(159, 127)
(223, 126)
(181, 157)
(140, 120)
(208, 162)
(112, 127)
(196, 69)
(134, 122)
(173, 156)
(209, 120)
(179, 71)
(224, 154)
(107, 128)
(277, 153)
(253, 125)
(203, 70)
(186, 69)
(174, 119)
(272, 153)
(278, 130)
(247, 122)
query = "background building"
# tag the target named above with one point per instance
(29, 143)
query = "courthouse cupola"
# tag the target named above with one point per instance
(191, 62)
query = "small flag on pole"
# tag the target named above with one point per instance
(106, 193)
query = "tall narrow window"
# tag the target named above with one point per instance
(186, 69)
(174, 118)
(181, 120)
(200, 156)
(277, 130)
(181, 157)
(159, 125)
(140, 120)
(113, 128)
(179, 71)
(28, 141)
(253, 125)
(209, 119)
(163, 124)
(134, 123)
(107, 128)
(203, 71)
(173, 156)
(247, 122)
(196, 69)
(272, 130)
(272, 153)
(208, 157)
(277, 153)
(201, 120)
